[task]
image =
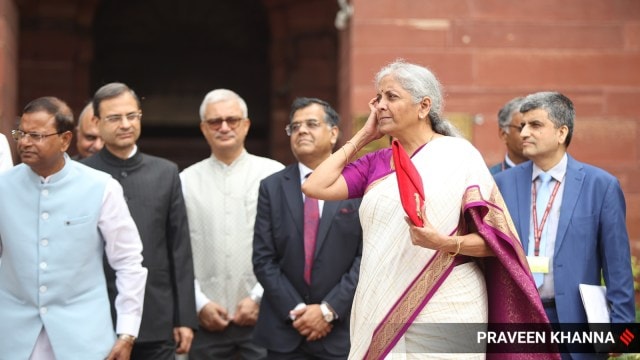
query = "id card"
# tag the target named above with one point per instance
(538, 264)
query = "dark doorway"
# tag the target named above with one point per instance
(172, 53)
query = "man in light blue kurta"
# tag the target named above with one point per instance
(57, 217)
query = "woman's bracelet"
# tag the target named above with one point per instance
(344, 151)
(346, 158)
(458, 243)
(355, 148)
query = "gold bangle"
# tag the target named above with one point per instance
(346, 158)
(458, 243)
(344, 151)
(355, 148)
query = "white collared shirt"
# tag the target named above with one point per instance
(509, 161)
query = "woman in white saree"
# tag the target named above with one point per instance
(423, 269)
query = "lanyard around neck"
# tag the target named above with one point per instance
(537, 229)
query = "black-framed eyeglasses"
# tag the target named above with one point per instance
(216, 123)
(36, 137)
(294, 127)
(517, 127)
(116, 118)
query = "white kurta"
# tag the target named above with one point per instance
(221, 205)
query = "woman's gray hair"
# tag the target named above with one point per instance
(218, 95)
(420, 82)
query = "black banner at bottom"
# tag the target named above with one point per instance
(523, 338)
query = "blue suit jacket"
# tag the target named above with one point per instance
(592, 236)
(278, 262)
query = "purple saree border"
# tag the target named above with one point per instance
(436, 285)
(493, 224)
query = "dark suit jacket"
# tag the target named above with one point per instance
(154, 196)
(592, 236)
(278, 262)
(501, 166)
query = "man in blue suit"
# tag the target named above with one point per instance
(308, 265)
(580, 231)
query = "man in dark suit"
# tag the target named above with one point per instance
(308, 269)
(153, 193)
(509, 119)
(580, 232)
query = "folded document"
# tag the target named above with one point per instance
(595, 303)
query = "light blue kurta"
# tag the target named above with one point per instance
(51, 272)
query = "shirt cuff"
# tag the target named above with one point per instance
(128, 324)
(201, 298)
(256, 293)
(298, 307)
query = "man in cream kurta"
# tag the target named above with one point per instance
(221, 194)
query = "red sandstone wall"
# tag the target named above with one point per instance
(8, 66)
(56, 51)
(488, 51)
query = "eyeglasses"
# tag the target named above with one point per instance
(517, 127)
(36, 137)
(216, 124)
(294, 127)
(116, 118)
